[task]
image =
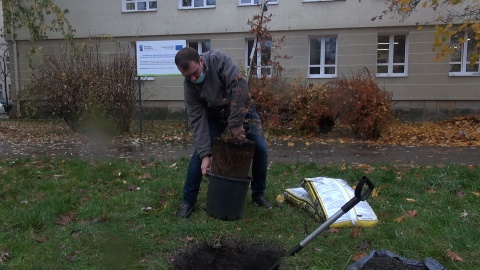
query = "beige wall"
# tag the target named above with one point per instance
(427, 84)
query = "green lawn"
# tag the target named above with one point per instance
(120, 214)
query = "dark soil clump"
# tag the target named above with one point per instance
(234, 255)
(389, 263)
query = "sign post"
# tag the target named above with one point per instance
(156, 58)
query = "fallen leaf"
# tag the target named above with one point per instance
(460, 194)
(476, 193)
(412, 213)
(75, 233)
(72, 256)
(365, 245)
(66, 219)
(280, 198)
(410, 200)
(40, 239)
(290, 144)
(190, 238)
(358, 256)
(4, 256)
(164, 203)
(334, 231)
(147, 176)
(399, 219)
(454, 256)
(356, 232)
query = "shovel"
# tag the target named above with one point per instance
(361, 194)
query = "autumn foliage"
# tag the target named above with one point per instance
(356, 101)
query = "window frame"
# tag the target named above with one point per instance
(260, 68)
(180, 5)
(200, 42)
(252, 3)
(464, 61)
(147, 2)
(322, 64)
(391, 51)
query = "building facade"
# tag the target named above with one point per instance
(325, 40)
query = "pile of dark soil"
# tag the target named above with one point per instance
(232, 255)
(389, 263)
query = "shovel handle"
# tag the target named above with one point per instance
(361, 193)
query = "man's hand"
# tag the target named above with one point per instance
(238, 132)
(206, 161)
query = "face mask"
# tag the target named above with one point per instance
(200, 79)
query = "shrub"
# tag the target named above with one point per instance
(268, 94)
(87, 88)
(308, 109)
(359, 102)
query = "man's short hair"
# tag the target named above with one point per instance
(185, 56)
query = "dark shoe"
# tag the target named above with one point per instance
(262, 202)
(184, 211)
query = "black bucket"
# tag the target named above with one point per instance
(226, 196)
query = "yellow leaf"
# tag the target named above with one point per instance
(280, 198)
(476, 193)
(291, 144)
(400, 219)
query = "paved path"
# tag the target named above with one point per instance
(334, 153)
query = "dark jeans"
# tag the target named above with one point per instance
(259, 162)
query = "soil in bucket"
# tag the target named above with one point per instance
(226, 196)
(232, 158)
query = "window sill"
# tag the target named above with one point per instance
(385, 75)
(137, 11)
(464, 74)
(190, 8)
(255, 5)
(328, 76)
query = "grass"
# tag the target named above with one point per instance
(119, 214)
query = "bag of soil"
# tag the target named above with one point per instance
(299, 197)
(384, 259)
(328, 195)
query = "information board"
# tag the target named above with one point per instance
(157, 58)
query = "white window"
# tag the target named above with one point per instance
(392, 55)
(201, 46)
(139, 5)
(187, 4)
(255, 2)
(323, 57)
(460, 64)
(262, 62)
